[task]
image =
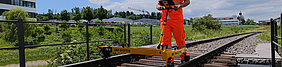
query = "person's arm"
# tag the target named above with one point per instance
(159, 7)
(186, 3)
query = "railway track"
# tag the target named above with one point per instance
(203, 53)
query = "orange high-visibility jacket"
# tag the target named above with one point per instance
(174, 24)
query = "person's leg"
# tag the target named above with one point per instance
(179, 34)
(166, 40)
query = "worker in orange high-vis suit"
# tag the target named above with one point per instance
(174, 24)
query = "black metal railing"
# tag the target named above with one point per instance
(127, 37)
(274, 39)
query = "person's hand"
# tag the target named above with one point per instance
(177, 7)
(160, 8)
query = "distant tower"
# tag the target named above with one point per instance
(240, 18)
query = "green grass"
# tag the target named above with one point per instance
(45, 53)
(32, 54)
(266, 35)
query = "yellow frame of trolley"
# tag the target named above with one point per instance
(165, 53)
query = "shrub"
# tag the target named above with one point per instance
(235, 28)
(206, 22)
(10, 29)
(66, 36)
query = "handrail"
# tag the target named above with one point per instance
(22, 47)
(276, 44)
(274, 39)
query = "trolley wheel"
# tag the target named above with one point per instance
(170, 63)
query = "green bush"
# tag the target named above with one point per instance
(9, 29)
(206, 22)
(98, 21)
(66, 35)
(46, 27)
(235, 28)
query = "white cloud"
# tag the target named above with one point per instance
(254, 9)
(99, 2)
(148, 5)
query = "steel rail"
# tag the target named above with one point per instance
(197, 61)
(122, 57)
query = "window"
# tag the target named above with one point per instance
(28, 4)
(5, 1)
(16, 2)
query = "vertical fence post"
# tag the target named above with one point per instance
(124, 34)
(272, 44)
(128, 35)
(21, 42)
(151, 34)
(281, 34)
(275, 35)
(87, 41)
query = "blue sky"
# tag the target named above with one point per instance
(254, 9)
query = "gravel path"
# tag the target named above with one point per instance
(246, 46)
(205, 47)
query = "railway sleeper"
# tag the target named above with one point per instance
(224, 57)
(135, 65)
(214, 65)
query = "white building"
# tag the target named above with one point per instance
(27, 5)
(147, 21)
(228, 20)
(117, 20)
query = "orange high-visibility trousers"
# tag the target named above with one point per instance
(176, 27)
(173, 25)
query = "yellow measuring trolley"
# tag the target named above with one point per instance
(167, 54)
(161, 50)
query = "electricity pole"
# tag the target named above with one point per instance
(240, 18)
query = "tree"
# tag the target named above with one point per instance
(50, 14)
(76, 13)
(205, 22)
(241, 19)
(249, 22)
(57, 16)
(153, 15)
(102, 13)
(184, 22)
(41, 17)
(110, 14)
(159, 15)
(132, 17)
(10, 33)
(94, 12)
(191, 21)
(87, 13)
(65, 15)
(46, 27)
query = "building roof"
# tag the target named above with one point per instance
(146, 19)
(117, 19)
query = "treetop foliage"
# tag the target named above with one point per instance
(15, 14)
(9, 29)
(206, 22)
(88, 13)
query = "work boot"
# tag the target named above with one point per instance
(164, 47)
(169, 47)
